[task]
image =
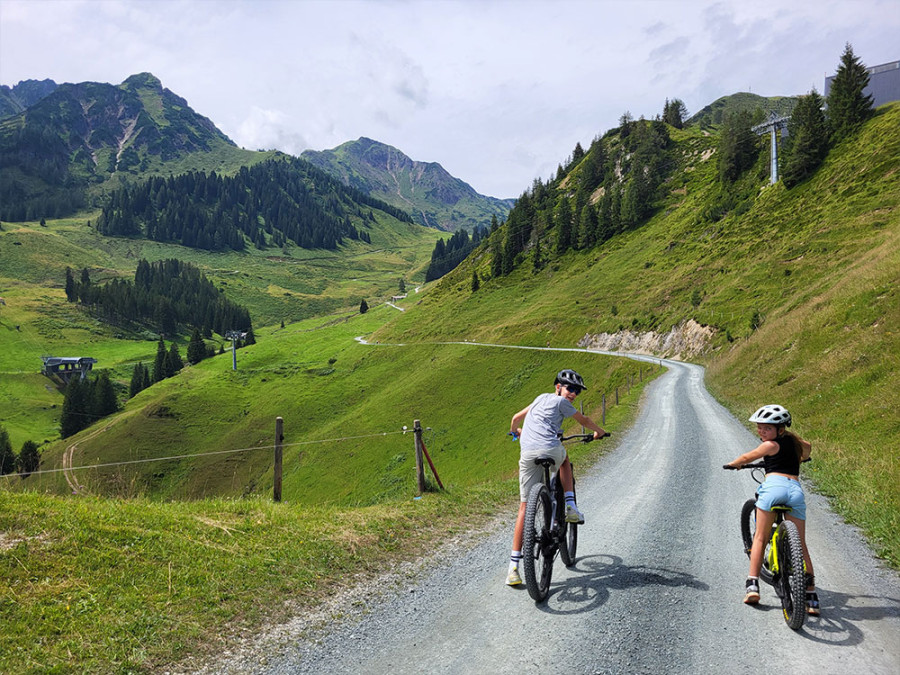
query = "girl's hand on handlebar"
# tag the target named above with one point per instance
(597, 436)
(730, 467)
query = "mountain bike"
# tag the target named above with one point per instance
(783, 566)
(546, 529)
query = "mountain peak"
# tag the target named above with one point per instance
(425, 189)
(144, 81)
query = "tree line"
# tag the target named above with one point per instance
(163, 294)
(86, 401)
(268, 204)
(610, 189)
(615, 186)
(25, 461)
(448, 255)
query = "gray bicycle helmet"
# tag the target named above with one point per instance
(569, 378)
(772, 414)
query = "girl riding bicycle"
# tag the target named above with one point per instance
(781, 452)
(540, 428)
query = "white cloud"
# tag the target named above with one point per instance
(268, 130)
(497, 91)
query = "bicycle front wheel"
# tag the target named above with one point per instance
(568, 532)
(791, 579)
(538, 550)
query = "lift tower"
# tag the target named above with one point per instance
(772, 126)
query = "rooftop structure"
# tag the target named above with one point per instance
(64, 367)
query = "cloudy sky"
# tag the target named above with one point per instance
(498, 92)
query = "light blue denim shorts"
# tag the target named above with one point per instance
(782, 491)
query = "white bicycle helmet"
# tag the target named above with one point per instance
(772, 414)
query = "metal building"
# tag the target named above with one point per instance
(884, 83)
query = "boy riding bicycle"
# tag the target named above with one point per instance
(539, 427)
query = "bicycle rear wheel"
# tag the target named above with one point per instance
(791, 577)
(748, 531)
(538, 550)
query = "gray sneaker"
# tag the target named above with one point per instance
(573, 515)
(513, 578)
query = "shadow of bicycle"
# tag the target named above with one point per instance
(596, 575)
(841, 612)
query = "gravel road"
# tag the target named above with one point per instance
(657, 586)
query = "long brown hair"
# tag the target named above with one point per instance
(793, 438)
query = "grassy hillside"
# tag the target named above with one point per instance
(284, 285)
(817, 267)
(133, 585)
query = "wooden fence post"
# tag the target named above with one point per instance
(279, 437)
(617, 396)
(420, 468)
(603, 410)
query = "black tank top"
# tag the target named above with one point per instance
(785, 460)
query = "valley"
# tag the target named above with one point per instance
(172, 545)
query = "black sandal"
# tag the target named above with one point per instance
(812, 603)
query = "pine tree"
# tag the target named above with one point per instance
(196, 350)
(538, 259)
(848, 106)
(738, 146)
(75, 413)
(807, 143)
(173, 362)
(7, 456)
(104, 401)
(476, 284)
(363, 306)
(159, 365)
(29, 458)
(137, 380)
(674, 113)
(496, 256)
(250, 338)
(563, 221)
(71, 290)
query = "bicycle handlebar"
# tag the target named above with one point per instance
(756, 465)
(585, 438)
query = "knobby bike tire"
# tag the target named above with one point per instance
(792, 579)
(748, 524)
(537, 548)
(568, 532)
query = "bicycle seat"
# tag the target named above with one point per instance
(782, 508)
(545, 460)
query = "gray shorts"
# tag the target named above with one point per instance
(530, 474)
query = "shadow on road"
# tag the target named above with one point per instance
(840, 614)
(597, 575)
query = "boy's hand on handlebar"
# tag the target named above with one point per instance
(514, 434)
(730, 467)
(597, 436)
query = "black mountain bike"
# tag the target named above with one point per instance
(783, 566)
(546, 529)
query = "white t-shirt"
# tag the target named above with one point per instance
(543, 423)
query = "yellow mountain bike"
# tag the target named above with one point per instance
(783, 567)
